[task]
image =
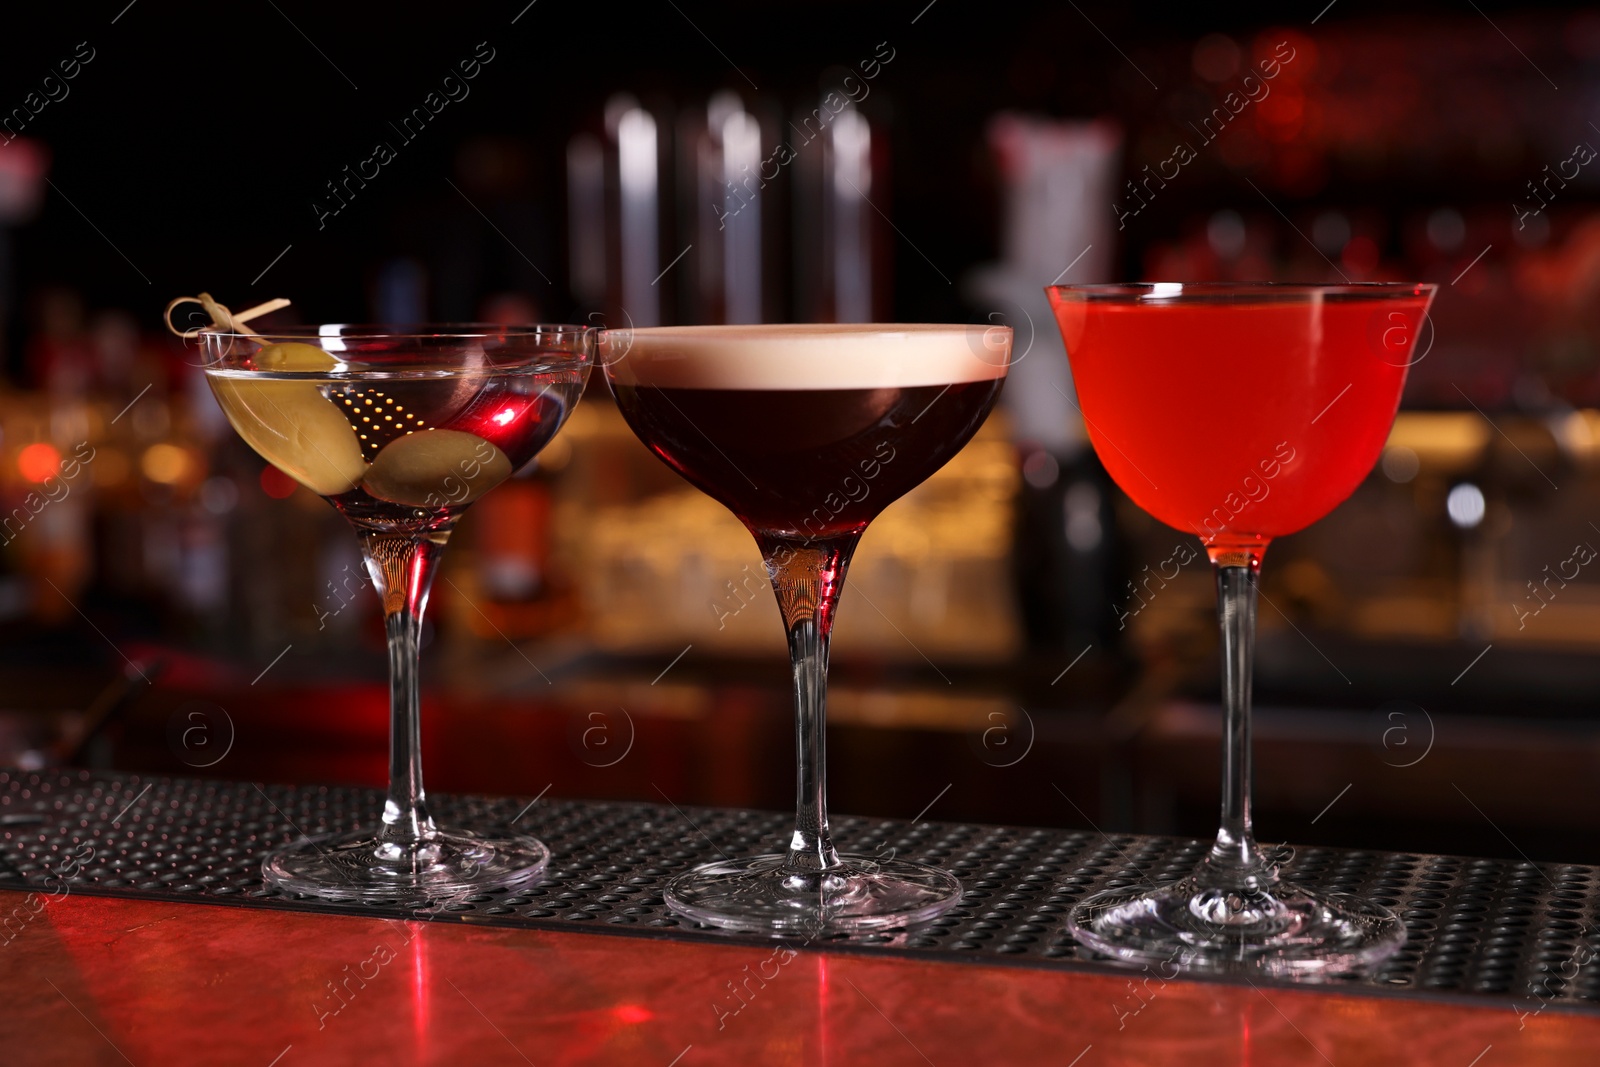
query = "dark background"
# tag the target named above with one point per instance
(199, 136)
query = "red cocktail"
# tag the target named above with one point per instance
(1251, 427)
(1239, 413)
(806, 433)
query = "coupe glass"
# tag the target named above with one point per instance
(806, 433)
(401, 430)
(1240, 413)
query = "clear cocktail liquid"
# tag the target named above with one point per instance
(404, 445)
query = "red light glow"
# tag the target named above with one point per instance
(276, 484)
(38, 462)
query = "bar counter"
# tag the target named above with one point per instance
(101, 981)
(134, 927)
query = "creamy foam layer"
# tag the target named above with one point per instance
(875, 356)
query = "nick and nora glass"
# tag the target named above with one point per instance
(1239, 413)
(806, 433)
(401, 430)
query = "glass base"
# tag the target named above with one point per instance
(356, 867)
(1285, 931)
(763, 895)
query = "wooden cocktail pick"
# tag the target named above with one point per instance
(222, 319)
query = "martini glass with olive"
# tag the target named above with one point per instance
(401, 432)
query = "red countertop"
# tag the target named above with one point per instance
(99, 981)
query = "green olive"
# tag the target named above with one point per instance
(295, 428)
(292, 356)
(436, 468)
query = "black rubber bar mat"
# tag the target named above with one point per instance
(1480, 931)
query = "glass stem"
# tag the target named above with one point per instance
(402, 567)
(807, 578)
(1235, 861)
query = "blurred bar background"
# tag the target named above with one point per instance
(1018, 643)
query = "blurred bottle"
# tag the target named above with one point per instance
(46, 516)
(617, 211)
(842, 253)
(1057, 183)
(733, 187)
(23, 166)
(586, 220)
(60, 357)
